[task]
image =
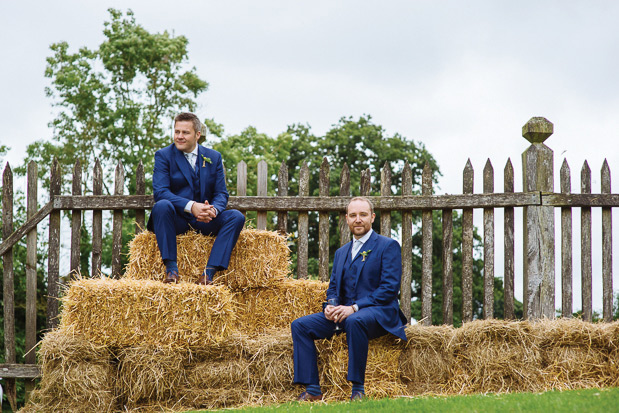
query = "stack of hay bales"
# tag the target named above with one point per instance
(510, 356)
(176, 346)
(136, 344)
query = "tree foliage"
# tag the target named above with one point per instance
(116, 102)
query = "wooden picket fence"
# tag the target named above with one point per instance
(538, 201)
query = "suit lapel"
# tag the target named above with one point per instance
(341, 267)
(183, 165)
(202, 169)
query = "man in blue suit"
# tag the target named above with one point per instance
(365, 280)
(190, 192)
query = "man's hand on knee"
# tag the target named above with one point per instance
(341, 312)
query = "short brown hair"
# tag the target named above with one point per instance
(184, 116)
(364, 199)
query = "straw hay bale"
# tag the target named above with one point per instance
(381, 376)
(259, 259)
(265, 363)
(427, 358)
(577, 354)
(126, 313)
(261, 374)
(263, 309)
(575, 367)
(149, 373)
(495, 356)
(77, 376)
(270, 357)
(573, 331)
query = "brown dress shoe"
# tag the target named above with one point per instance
(306, 397)
(203, 280)
(171, 277)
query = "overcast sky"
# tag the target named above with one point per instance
(461, 77)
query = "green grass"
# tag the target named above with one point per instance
(590, 401)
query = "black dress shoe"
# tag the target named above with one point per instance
(171, 277)
(306, 397)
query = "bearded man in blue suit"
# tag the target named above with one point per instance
(190, 192)
(365, 280)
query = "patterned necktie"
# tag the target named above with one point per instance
(357, 244)
(189, 157)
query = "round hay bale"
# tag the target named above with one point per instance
(127, 313)
(259, 259)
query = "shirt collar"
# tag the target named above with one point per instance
(366, 237)
(195, 151)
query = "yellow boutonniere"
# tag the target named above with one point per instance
(205, 160)
(365, 254)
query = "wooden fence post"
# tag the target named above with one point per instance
(53, 257)
(508, 244)
(323, 223)
(76, 222)
(539, 223)
(488, 245)
(467, 246)
(607, 249)
(31, 273)
(303, 225)
(117, 223)
(344, 191)
(566, 244)
(426, 250)
(8, 283)
(586, 267)
(261, 217)
(282, 190)
(97, 221)
(407, 245)
(385, 190)
(140, 189)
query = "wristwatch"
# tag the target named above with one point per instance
(355, 307)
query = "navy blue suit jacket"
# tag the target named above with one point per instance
(172, 178)
(377, 281)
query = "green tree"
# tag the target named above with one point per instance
(116, 102)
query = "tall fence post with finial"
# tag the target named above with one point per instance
(539, 223)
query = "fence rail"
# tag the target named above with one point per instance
(538, 202)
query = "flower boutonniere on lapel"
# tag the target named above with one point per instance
(205, 160)
(365, 254)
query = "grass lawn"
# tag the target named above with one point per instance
(590, 400)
